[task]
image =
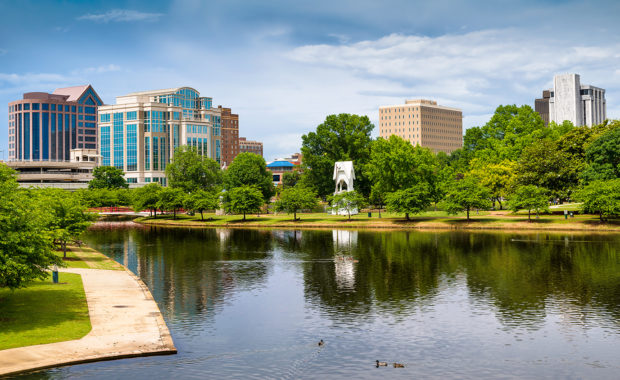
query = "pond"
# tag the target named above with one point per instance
(249, 303)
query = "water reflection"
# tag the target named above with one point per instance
(425, 293)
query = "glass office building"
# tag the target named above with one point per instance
(140, 133)
(46, 127)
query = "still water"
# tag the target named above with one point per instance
(254, 303)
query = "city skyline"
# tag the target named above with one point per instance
(284, 68)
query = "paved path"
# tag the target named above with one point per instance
(126, 322)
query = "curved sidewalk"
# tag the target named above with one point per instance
(125, 319)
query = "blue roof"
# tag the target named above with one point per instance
(280, 164)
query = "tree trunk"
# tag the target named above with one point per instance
(201, 217)
(600, 213)
(500, 204)
(244, 215)
(379, 212)
(294, 215)
(64, 249)
(349, 212)
(174, 213)
(407, 215)
(529, 215)
(467, 213)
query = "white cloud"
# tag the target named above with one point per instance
(121, 15)
(97, 70)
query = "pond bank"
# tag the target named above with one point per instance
(319, 221)
(126, 322)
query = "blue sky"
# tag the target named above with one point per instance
(284, 65)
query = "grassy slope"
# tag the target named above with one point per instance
(86, 257)
(44, 312)
(430, 220)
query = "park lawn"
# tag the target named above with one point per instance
(44, 312)
(86, 257)
(428, 220)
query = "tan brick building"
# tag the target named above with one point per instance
(250, 146)
(230, 135)
(423, 122)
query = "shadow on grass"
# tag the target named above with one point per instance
(37, 307)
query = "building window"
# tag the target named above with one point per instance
(147, 153)
(105, 145)
(132, 147)
(133, 115)
(118, 140)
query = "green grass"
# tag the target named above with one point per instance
(86, 257)
(430, 219)
(44, 312)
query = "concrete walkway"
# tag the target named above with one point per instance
(126, 322)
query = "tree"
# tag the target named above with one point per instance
(146, 198)
(601, 197)
(108, 177)
(201, 200)
(25, 242)
(171, 199)
(342, 137)
(294, 199)
(191, 171)
(395, 165)
(290, 179)
(249, 169)
(245, 199)
(68, 218)
(413, 200)
(544, 165)
(467, 194)
(497, 178)
(529, 197)
(348, 201)
(603, 155)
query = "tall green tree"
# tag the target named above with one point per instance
(244, 199)
(295, 199)
(497, 178)
(412, 200)
(290, 179)
(342, 137)
(146, 198)
(69, 216)
(191, 171)
(542, 164)
(601, 197)
(603, 155)
(25, 241)
(200, 201)
(467, 194)
(108, 177)
(529, 197)
(249, 169)
(171, 198)
(395, 165)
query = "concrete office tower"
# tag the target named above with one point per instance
(230, 135)
(140, 133)
(423, 122)
(577, 103)
(46, 127)
(250, 146)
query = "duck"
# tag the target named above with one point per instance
(381, 364)
(398, 365)
(321, 343)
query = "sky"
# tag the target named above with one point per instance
(283, 66)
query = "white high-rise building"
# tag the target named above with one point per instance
(577, 103)
(140, 133)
